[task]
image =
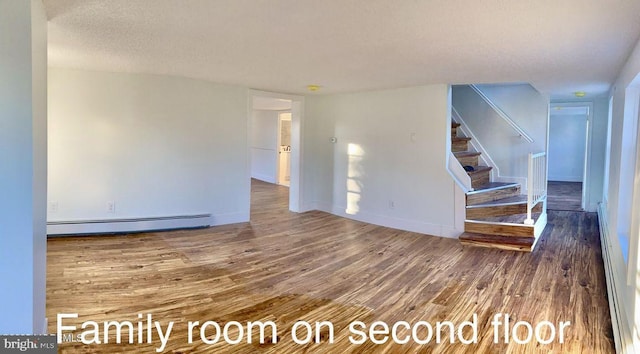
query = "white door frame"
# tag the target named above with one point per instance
(297, 123)
(586, 180)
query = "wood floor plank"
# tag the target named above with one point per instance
(564, 196)
(286, 267)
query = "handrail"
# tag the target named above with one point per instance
(502, 114)
(536, 182)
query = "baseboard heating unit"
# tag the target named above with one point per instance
(109, 226)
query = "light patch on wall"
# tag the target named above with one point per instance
(355, 173)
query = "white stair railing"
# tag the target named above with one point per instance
(502, 114)
(536, 182)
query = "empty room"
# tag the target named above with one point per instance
(284, 176)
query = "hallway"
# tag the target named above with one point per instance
(564, 196)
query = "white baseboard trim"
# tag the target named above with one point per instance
(101, 226)
(309, 207)
(392, 222)
(621, 331)
(229, 218)
(565, 178)
(387, 221)
(264, 178)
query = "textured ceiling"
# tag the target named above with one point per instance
(559, 46)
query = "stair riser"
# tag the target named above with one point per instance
(499, 229)
(498, 210)
(489, 196)
(457, 146)
(468, 160)
(454, 131)
(479, 179)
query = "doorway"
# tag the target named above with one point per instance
(284, 148)
(568, 155)
(275, 141)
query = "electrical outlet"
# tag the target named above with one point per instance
(53, 207)
(111, 207)
(392, 204)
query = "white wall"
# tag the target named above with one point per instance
(375, 161)
(264, 143)
(567, 142)
(23, 166)
(155, 145)
(623, 276)
(524, 105)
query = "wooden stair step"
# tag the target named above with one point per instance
(525, 244)
(480, 175)
(459, 143)
(454, 128)
(492, 191)
(516, 199)
(467, 158)
(460, 138)
(501, 207)
(510, 219)
(511, 225)
(466, 153)
(496, 210)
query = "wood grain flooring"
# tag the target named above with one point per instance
(564, 196)
(286, 267)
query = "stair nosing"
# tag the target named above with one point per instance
(488, 205)
(497, 223)
(504, 241)
(480, 169)
(466, 153)
(478, 191)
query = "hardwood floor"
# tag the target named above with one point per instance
(286, 267)
(564, 196)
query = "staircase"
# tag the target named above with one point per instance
(495, 212)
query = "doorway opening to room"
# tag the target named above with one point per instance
(274, 150)
(568, 155)
(284, 149)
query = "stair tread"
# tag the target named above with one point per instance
(480, 169)
(493, 186)
(460, 138)
(508, 240)
(466, 153)
(454, 125)
(517, 199)
(508, 219)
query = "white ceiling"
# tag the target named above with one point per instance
(559, 46)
